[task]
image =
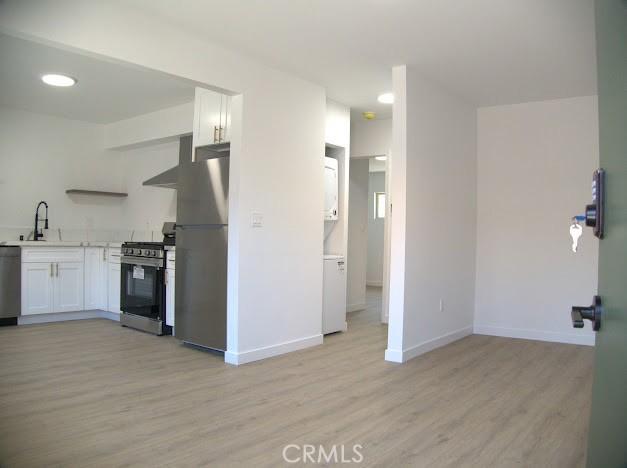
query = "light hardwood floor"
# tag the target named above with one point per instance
(91, 393)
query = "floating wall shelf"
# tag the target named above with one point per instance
(97, 193)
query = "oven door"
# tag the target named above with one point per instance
(142, 289)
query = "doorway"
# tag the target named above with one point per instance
(367, 257)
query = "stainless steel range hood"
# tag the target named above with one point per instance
(169, 178)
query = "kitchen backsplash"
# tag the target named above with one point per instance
(101, 235)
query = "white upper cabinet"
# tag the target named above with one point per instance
(225, 119)
(212, 118)
(96, 273)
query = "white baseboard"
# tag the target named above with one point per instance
(374, 284)
(65, 316)
(397, 355)
(105, 314)
(538, 335)
(355, 307)
(244, 357)
(394, 355)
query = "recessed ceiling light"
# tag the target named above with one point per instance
(369, 115)
(380, 158)
(54, 79)
(386, 98)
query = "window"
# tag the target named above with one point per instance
(379, 205)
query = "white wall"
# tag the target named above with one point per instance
(162, 125)
(434, 217)
(535, 164)
(41, 156)
(357, 235)
(275, 273)
(374, 275)
(371, 137)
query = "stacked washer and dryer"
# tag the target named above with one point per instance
(334, 272)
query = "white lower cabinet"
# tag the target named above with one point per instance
(96, 278)
(169, 296)
(37, 282)
(114, 273)
(68, 288)
(52, 287)
(65, 279)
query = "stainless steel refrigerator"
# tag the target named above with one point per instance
(201, 253)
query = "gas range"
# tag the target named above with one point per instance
(142, 291)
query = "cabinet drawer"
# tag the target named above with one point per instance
(114, 254)
(52, 254)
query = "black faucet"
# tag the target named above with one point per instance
(36, 234)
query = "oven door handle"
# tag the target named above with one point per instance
(150, 262)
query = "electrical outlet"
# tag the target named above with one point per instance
(256, 220)
(441, 305)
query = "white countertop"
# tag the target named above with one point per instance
(60, 244)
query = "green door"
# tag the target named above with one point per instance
(607, 440)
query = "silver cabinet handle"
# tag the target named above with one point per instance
(57, 270)
(221, 135)
(51, 270)
(216, 134)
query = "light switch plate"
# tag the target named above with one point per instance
(256, 220)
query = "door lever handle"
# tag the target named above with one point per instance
(592, 313)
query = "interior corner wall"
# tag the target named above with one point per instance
(41, 156)
(535, 164)
(357, 235)
(439, 216)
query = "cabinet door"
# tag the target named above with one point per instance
(115, 274)
(37, 279)
(207, 109)
(68, 286)
(225, 119)
(95, 278)
(169, 297)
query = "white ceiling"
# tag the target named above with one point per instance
(487, 51)
(106, 92)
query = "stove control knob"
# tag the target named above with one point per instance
(130, 251)
(138, 252)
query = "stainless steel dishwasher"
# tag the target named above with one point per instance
(10, 285)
